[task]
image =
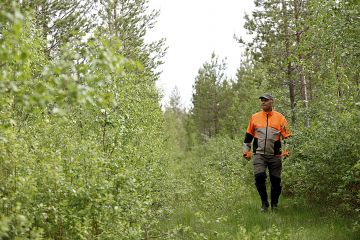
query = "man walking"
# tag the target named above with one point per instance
(266, 129)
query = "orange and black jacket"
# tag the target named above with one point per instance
(267, 129)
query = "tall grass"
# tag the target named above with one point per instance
(212, 196)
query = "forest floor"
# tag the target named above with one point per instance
(206, 205)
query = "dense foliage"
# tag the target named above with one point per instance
(81, 137)
(88, 153)
(306, 54)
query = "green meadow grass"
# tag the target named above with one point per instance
(245, 221)
(232, 214)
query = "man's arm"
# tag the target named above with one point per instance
(247, 142)
(247, 151)
(284, 150)
(286, 134)
(249, 136)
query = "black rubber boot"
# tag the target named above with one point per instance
(260, 183)
(275, 191)
(264, 207)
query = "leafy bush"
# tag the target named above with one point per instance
(81, 140)
(322, 165)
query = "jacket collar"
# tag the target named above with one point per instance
(268, 113)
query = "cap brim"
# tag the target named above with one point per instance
(264, 97)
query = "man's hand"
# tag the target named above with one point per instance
(285, 154)
(247, 155)
(247, 151)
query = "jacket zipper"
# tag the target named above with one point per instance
(267, 124)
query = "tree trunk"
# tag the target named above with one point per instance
(336, 72)
(304, 93)
(291, 85)
(302, 79)
(289, 80)
(42, 19)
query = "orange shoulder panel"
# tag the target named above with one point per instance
(284, 126)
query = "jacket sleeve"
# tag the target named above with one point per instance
(250, 132)
(285, 132)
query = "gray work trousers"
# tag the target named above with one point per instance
(273, 163)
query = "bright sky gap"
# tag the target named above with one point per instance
(193, 30)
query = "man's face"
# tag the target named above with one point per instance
(266, 104)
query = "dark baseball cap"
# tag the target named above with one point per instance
(267, 96)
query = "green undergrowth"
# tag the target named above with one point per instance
(214, 198)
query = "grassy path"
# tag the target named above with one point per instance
(210, 203)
